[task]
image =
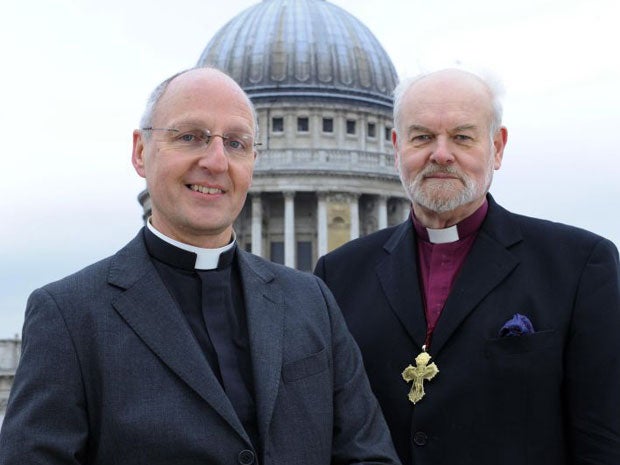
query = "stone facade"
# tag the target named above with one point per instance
(323, 176)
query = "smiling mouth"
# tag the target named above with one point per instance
(205, 190)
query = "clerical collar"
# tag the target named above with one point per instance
(459, 231)
(186, 256)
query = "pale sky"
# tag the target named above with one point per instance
(77, 74)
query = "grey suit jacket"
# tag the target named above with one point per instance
(111, 374)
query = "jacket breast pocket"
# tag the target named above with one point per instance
(519, 375)
(305, 367)
(514, 345)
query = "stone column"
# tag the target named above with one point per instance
(382, 215)
(321, 224)
(355, 216)
(257, 225)
(289, 229)
(362, 131)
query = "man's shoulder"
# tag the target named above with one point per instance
(302, 290)
(268, 269)
(369, 244)
(545, 227)
(548, 235)
(92, 276)
(359, 256)
(79, 279)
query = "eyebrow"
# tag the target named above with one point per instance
(187, 122)
(465, 127)
(196, 124)
(417, 128)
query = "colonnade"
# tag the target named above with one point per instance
(324, 221)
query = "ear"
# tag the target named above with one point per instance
(395, 145)
(499, 144)
(138, 155)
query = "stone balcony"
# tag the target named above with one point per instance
(346, 162)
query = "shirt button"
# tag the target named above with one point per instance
(246, 457)
(420, 438)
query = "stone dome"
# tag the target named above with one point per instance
(303, 49)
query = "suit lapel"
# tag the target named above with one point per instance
(398, 275)
(487, 265)
(264, 305)
(150, 311)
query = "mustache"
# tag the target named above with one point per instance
(434, 169)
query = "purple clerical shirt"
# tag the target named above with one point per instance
(441, 254)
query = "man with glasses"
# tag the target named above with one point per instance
(182, 348)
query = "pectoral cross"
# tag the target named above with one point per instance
(418, 374)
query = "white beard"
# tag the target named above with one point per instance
(448, 195)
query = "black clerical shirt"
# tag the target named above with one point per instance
(212, 302)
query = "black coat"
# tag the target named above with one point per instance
(548, 398)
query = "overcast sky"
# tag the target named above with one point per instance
(77, 73)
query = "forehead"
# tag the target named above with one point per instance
(207, 97)
(447, 99)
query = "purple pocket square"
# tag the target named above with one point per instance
(518, 325)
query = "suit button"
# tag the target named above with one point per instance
(420, 438)
(246, 457)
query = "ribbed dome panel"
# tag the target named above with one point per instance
(302, 48)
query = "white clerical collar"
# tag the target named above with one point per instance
(206, 259)
(457, 232)
(443, 236)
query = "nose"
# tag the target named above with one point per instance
(213, 156)
(441, 152)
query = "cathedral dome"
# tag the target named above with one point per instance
(303, 49)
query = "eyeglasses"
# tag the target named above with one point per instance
(192, 140)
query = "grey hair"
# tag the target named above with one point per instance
(146, 120)
(489, 79)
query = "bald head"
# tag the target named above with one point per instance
(449, 83)
(193, 77)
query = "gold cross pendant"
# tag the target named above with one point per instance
(418, 374)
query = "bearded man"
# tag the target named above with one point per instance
(488, 337)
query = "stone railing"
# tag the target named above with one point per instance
(346, 161)
(10, 350)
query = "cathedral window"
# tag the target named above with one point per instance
(372, 130)
(350, 126)
(304, 256)
(303, 124)
(277, 252)
(277, 124)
